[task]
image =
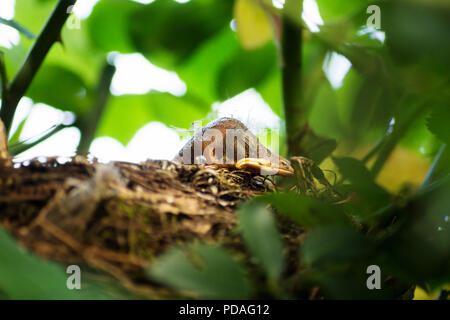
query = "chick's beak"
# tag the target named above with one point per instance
(265, 167)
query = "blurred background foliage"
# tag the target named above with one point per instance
(381, 95)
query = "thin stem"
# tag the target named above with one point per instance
(89, 123)
(291, 68)
(48, 36)
(377, 146)
(436, 166)
(21, 147)
(18, 27)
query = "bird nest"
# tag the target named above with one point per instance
(117, 217)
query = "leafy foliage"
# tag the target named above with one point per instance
(395, 95)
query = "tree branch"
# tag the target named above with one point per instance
(48, 36)
(291, 68)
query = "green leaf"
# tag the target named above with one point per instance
(362, 182)
(317, 148)
(33, 13)
(170, 29)
(369, 106)
(418, 247)
(258, 228)
(324, 116)
(270, 91)
(333, 10)
(15, 137)
(438, 123)
(108, 25)
(354, 170)
(334, 245)
(61, 88)
(307, 212)
(205, 271)
(23, 276)
(201, 77)
(417, 33)
(124, 115)
(246, 70)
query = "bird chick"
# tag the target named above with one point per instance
(227, 142)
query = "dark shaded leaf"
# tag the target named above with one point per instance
(418, 249)
(307, 212)
(258, 228)
(194, 269)
(317, 148)
(23, 276)
(108, 25)
(334, 245)
(417, 31)
(362, 182)
(438, 123)
(60, 88)
(246, 70)
(177, 29)
(201, 70)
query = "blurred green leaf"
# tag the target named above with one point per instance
(350, 284)
(270, 91)
(370, 108)
(324, 118)
(108, 25)
(23, 276)
(332, 10)
(362, 182)
(195, 268)
(418, 247)
(15, 137)
(33, 13)
(416, 32)
(124, 115)
(202, 69)
(307, 212)
(354, 170)
(335, 244)
(258, 228)
(247, 69)
(175, 29)
(317, 148)
(61, 88)
(438, 123)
